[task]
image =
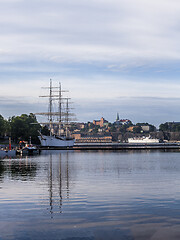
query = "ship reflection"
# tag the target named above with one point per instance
(58, 174)
(50, 187)
(50, 169)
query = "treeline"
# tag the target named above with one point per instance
(170, 127)
(20, 127)
(25, 126)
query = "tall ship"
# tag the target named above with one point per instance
(58, 116)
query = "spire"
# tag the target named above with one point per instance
(117, 118)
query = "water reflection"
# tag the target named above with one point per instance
(50, 187)
(23, 170)
(60, 184)
(1, 170)
(18, 169)
(59, 176)
(91, 195)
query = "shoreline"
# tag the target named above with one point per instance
(116, 146)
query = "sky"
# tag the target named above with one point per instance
(112, 55)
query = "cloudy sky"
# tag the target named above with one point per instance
(113, 55)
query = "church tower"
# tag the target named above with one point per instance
(117, 118)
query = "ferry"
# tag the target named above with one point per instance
(143, 140)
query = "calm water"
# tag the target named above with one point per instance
(91, 195)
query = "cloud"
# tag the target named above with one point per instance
(154, 110)
(100, 50)
(113, 31)
(141, 101)
(137, 109)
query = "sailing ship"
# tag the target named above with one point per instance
(58, 119)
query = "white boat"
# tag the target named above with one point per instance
(26, 148)
(30, 150)
(143, 140)
(62, 115)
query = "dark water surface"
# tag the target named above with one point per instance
(91, 195)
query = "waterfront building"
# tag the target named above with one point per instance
(81, 138)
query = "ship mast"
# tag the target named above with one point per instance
(67, 117)
(50, 107)
(63, 111)
(60, 108)
(49, 113)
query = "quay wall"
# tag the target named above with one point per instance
(118, 146)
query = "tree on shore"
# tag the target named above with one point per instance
(170, 127)
(2, 126)
(24, 126)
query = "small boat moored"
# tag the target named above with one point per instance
(26, 148)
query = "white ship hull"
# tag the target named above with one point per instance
(52, 141)
(143, 140)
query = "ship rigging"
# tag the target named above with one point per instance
(59, 117)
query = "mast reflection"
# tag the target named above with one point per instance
(58, 181)
(67, 174)
(51, 187)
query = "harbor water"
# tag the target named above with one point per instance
(88, 195)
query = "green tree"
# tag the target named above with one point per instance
(24, 126)
(95, 129)
(123, 128)
(113, 128)
(45, 130)
(137, 129)
(178, 128)
(164, 127)
(2, 126)
(8, 127)
(152, 128)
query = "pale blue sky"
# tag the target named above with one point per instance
(113, 55)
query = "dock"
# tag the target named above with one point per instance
(117, 146)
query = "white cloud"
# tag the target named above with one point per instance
(59, 39)
(90, 31)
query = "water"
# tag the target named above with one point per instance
(91, 195)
